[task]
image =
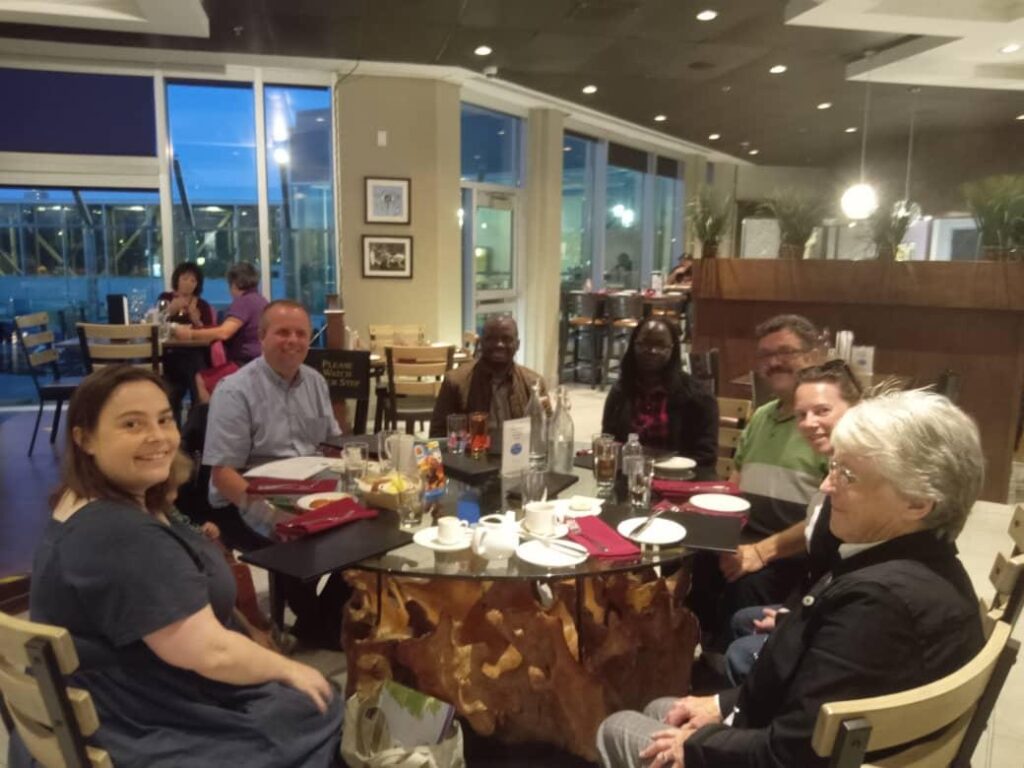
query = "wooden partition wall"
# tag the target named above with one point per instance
(921, 317)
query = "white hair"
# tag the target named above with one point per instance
(924, 446)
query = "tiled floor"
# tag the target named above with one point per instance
(24, 482)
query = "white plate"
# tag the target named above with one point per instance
(560, 530)
(720, 502)
(539, 553)
(306, 501)
(564, 507)
(427, 537)
(675, 464)
(661, 531)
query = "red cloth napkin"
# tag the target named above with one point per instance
(684, 489)
(324, 518)
(596, 530)
(272, 486)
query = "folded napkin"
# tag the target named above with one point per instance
(595, 531)
(272, 486)
(679, 489)
(324, 518)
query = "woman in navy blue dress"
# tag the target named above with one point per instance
(149, 604)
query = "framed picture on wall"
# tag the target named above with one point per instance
(387, 201)
(387, 256)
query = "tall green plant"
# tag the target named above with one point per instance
(710, 221)
(997, 204)
(889, 226)
(798, 214)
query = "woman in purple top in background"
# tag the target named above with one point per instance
(240, 329)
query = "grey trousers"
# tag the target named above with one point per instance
(623, 735)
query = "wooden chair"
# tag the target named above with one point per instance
(1007, 577)
(940, 723)
(104, 345)
(724, 467)
(624, 313)
(383, 336)
(53, 721)
(734, 412)
(414, 379)
(586, 316)
(733, 415)
(471, 343)
(41, 355)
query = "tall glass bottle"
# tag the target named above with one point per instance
(561, 435)
(632, 452)
(538, 430)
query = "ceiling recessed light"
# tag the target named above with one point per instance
(483, 50)
(726, 88)
(707, 15)
(588, 89)
(778, 69)
(825, 105)
(754, 152)
(852, 129)
(1011, 48)
(714, 136)
(660, 118)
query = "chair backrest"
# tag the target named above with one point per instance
(382, 336)
(103, 345)
(417, 371)
(586, 304)
(734, 412)
(762, 392)
(948, 384)
(625, 307)
(704, 368)
(52, 720)
(724, 467)
(938, 714)
(471, 342)
(38, 344)
(1007, 577)
(347, 372)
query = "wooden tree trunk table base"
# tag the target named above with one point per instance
(510, 660)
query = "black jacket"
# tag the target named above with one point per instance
(894, 617)
(692, 422)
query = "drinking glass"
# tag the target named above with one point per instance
(606, 456)
(641, 472)
(458, 433)
(479, 440)
(356, 455)
(410, 507)
(385, 449)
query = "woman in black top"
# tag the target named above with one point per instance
(185, 305)
(149, 602)
(655, 398)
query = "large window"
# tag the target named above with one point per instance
(624, 204)
(491, 146)
(668, 215)
(213, 179)
(578, 172)
(301, 194)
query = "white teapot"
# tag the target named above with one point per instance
(496, 536)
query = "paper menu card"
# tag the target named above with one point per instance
(515, 446)
(295, 468)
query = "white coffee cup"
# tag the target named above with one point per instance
(541, 518)
(450, 530)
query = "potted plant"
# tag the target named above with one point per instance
(997, 204)
(709, 222)
(889, 226)
(797, 215)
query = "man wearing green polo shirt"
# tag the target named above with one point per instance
(778, 472)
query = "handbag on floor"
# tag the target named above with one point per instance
(366, 742)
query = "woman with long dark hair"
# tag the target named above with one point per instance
(149, 603)
(659, 401)
(185, 304)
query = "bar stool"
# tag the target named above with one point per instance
(624, 314)
(669, 307)
(586, 316)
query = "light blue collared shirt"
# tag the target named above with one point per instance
(257, 416)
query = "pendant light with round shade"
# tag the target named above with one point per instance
(861, 200)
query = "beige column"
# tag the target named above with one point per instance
(542, 253)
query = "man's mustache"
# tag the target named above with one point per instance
(778, 369)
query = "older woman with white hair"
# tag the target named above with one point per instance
(896, 611)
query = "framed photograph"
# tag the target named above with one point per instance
(387, 201)
(387, 256)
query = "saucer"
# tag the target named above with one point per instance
(660, 531)
(721, 502)
(537, 553)
(427, 537)
(561, 530)
(579, 506)
(309, 503)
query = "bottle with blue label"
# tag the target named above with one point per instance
(468, 506)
